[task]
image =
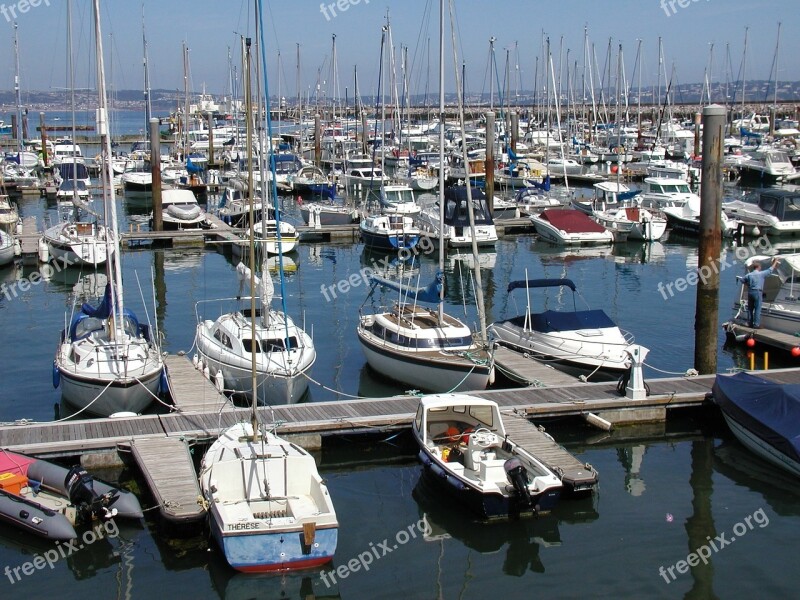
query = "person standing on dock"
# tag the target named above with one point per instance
(755, 288)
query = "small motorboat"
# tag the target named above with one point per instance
(180, 210)
(49, 500)
(763, 415)
(464, 447)
(583, 339)
(569, 226)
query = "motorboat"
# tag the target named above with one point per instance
(455, 230)
(71, 189)
(284, 352)
(107, 362)
(180, 210)
(767, 165)
(234, 206)
(777, 212)
(137, 183)
(662, 192)
(365, 178)
(504, 209)
(269, 509)
(686, 218)
(389, 232)
(587, 339)
(763, 415)
(569, 226)
(421, 347)
(49, 501)
(533, 200)
(463, 447)
(780, 309)
(616, 208)
(398, 199)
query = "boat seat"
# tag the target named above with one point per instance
(493, 470)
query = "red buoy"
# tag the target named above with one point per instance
(614, 168)
(750, 342)
(796, 351)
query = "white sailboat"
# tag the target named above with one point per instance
(107, 362)
(269, 510)
(417, 346)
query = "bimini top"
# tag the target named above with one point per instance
(539, 283)
(456, 210)
(769, 410)
(571, 221)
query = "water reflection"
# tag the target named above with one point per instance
(523, 539)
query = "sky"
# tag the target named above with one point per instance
(212, 29)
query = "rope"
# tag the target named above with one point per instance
(169, 406)
(85, 407)
(688, 373)
(324, 387)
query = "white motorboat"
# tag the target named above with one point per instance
(455, 229)
(568, 226)
(70, 190)
(310, 179)
(587, 339)
(398, 199)
(777, 212)
(686, 218)
(365, 178)
(234, 205)
(180, 210)
(9, 215)
(616, 208)
(327, 212)
(267, 237)
(534, 200)
(661, 192)
(767, 165)
(137, 183)
(464, 449)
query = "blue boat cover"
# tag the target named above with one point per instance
(553, 320)
(102, 310)
(769, 410)
(456, 210)
(538, 283)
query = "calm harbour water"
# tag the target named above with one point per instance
(664, 489)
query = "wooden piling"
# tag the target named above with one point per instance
(317, 140)
(44, 139)
(155, 169)
(710, 245)
(490, 160)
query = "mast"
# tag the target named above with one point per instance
(744, 67)
(148, 107)
(109, 197)
(777, 49)
(17, 93)
(333, 68)
(186, 101)
(491, 72)
(440, 312)
(71, 68)
(470, 209)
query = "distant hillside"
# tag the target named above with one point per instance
(165, 101)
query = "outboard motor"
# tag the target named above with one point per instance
(517, 475)
(80, 489)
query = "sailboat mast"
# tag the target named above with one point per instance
(109, 197)
(248, 110)
(744, 68)
(470, 209)
(17, 93)
(148, 107)
(441, 157)
(775, 89)
(71, 68)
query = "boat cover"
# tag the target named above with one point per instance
(431, 293)
(538, 283)
(571, 221)
(769, 410)
(456, 210)
(554, 321)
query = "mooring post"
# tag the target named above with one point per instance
(155, 169)
(43, 129)
(697, 118)
(490, 160)
(514, 129)
(773, 113)
(710, 246)
(210, 117)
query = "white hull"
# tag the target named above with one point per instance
(561, 237)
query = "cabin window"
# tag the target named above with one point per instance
(418, 419)
(483, 414)
(223, 339)
(248, 346)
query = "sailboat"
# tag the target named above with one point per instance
(285, 352)
(107, 362)
(269, 510)
(78, 238)
(418, 346)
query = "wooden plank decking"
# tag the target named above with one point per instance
(523, 369)
(189, 389)
(546, 449)
(169, 472)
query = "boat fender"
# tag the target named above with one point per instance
(17, 248)
(219, 381)
(517, 475)
(163, 382)
(194, 361)
(437, 469)
(44, 251)
(56, 375)
(207, 373)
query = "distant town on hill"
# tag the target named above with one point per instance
(166, 101)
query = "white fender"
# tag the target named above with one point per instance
(44, 251)
(219, 381)
(195, 361)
